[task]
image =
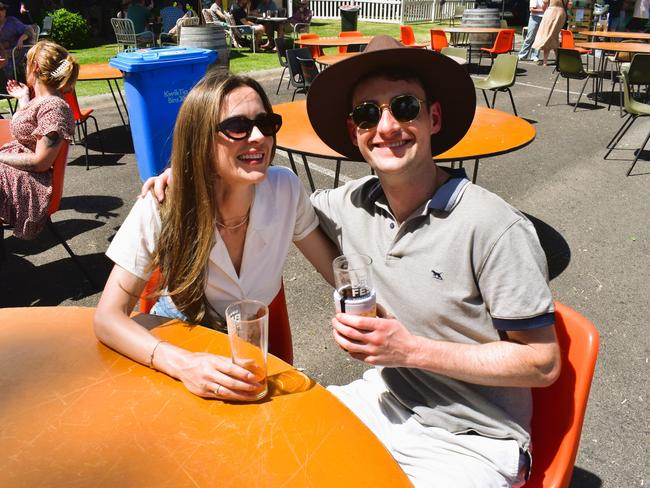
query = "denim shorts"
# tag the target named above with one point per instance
(165, 307)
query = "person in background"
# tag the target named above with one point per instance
(548, 34)
(536, 8)
(13, 34)
(39, 127)
(302, 15)
(169, 14)
(242, 215)
(239, 11)
(140, 16)
(217, 9)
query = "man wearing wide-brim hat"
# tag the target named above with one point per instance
(468, 314)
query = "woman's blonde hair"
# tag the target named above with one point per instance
(190, 207)
(52, 65)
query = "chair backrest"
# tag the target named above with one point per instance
(280, 342)
(71, 98)
(504, 69)
(309, 70)
(639, 71)
(406, 35)
(295, 71)
(58, 175)
(459, 52)
(559, 409)
(124, 32)
(566, 39)
(315, 50)
(208, 16)
(344, 49)
(47, 25)
(505, 41)
(438, 40)
(570, 63)
(282, 44)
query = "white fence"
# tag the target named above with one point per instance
(391, 11)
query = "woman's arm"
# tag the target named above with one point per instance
(47, 148)
(201, 373)
(320, 251)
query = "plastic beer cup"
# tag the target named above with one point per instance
(354, 292)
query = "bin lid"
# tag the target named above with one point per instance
(160, 57)
(349, 8)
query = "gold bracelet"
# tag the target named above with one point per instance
(154, 352)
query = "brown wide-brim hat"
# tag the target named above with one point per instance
(329, 101)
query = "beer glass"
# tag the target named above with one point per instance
(248, 331)
(354, 292)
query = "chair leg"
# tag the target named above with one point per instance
(638, 153)
(552, 88)
(74, 257)
(487, 102)
(584, 85)
(337, 173)
(494, 97)
(85, 142)
(619, 134)
(567, 92)
(101, 142)
(611, 94)
(512, 100)
(308, 171)
(293, 97)
(281, 78)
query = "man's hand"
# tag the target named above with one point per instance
(376, 341)
(158, 184)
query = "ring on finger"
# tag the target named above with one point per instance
(216, 392)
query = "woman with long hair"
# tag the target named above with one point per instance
(43, 120)
(548, 34)
(222, 234)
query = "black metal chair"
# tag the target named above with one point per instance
(309, 70)
(296, 79)
(282, 44)
(570, 66)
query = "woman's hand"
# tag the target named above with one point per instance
(210, 376)
(17, 90)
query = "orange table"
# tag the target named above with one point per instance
(616, 34)
(492, 133)
(103, 71)
(334, 41)
(74, 412)
(329, 59)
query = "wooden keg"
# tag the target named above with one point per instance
(481, 17)
(208, 37)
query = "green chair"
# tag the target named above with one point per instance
(501, 77)
(570, 66)
(635, 109)
(459, 52)
(638, 74)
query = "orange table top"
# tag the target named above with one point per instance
(616, 34)
(334, 41)
(329, 59)
(75, 412)
(100, 71)
(492, 133)
(629, 47)
(474, 30)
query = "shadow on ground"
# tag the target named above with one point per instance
(585, 479)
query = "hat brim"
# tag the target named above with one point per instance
(329, 101)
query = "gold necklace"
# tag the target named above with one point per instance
(232, 227)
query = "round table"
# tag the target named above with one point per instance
(75, 412)
(334, 41)
(492, 133)
(330, 59)
(616, 34)
(103, 71)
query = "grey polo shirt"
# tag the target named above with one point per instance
(461, 268)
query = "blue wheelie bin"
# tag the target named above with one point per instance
(156, 81)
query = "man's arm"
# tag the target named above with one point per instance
(529, 358)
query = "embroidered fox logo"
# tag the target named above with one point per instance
(436, 275)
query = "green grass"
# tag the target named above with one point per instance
(243, 60)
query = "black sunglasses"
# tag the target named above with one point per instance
(240, 127)
(404, 108)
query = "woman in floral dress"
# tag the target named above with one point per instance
(38, 128)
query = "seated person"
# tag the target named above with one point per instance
(270, 9)
(302, 15)
(239, 12)
(243, 215)
(38, 127)
(169, 14)
(217, 10)
(13, 34)
(140, 16)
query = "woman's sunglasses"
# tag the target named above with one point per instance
(404, 108)
(240, 127)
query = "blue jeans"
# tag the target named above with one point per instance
(164, 307)
(526, 50)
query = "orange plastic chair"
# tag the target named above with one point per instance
(344, 49)
(280, 343)
(315, 50)
(81, 120)
(408, 37)
(58, 175)
(438, 40)
(504, 43)
(567, 42)
(559, 410)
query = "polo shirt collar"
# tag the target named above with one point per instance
(445, 198)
